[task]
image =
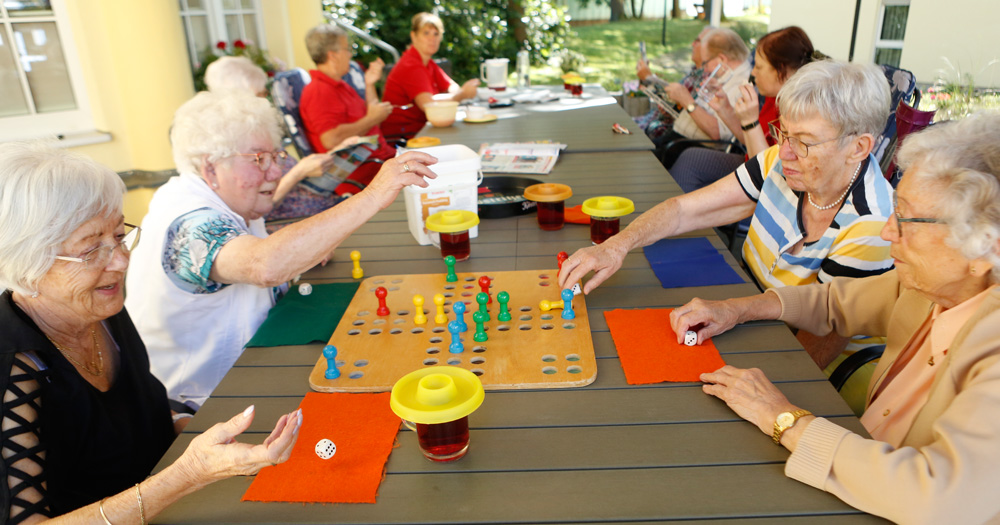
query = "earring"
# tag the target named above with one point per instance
(215, 185)
(973, 270)
(34, 295)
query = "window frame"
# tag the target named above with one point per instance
(215, 13)
(888, 44)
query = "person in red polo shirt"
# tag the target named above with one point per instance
(332, 110)
(416, 79)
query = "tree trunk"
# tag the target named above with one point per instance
(675, 13)
(514, 14)
(617, 10)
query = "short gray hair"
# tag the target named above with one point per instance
(46, 193)
(212, 126)
(964, 156)
(724, 41)
(235, 74)
(323, 38)
(854, 98)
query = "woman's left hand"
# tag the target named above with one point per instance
(749, 393)
(746, 106)
(374, 72)
(720, 104)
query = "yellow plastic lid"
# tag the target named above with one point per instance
(547, 192)
(608, 207)
(436, 394)
(423, 142)
(451, 221)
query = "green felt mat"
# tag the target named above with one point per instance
(303, 319)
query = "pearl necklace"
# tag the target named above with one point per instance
(97, 363)
(842, 195)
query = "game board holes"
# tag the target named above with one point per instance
(417, 330)
(549, 358)
(449, 287)
(470, 278)
(466, 294)
(448, 294)
(569, 326)
(372, 289)
(361, 362)
(378, 281)
(547, 326)
(341, 363)
(543, 276)
(503, 327)
(375, 331)
(525, 317)
(363, 312)
(543, 283)
(478, 371)
(399, 320)
(573, 357)
(454, 361)
(393, 288)
(356, 375)
(396, 281)
(478, 349)
(447, 310)
(524, 327)
(525, 308)
(477, 360)
(436, 340)
(548, 370)
(430, 361)
(378, 321)
(395, 331)
(574, 369)
(403, 312)
(546, 317)
(433, 350)
(468, 286)
(353, 332)
(359, 322)
(437, 329)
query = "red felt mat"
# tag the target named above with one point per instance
(649, 352)
(361, 426)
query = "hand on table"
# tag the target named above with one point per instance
(706, 318)
(603, 260)
(679, 94)
(397, 173)
(379, 111)
(374, 72)
(746, 107)
(749, 393)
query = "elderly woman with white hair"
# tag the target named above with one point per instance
(84, 421)
(817, 197)
(933, 408)
(205, 280)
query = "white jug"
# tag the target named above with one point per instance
(494, 72)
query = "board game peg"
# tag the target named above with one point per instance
(455, 347)
(568, 312)
(459, 308)
(449, 261)
(357, 272)
(561, 257)
(482, 299)
(484, 283)
(418, 305)
(504, 315)
(545, 306)
(480, 335)
(381, 292)
(441, 317)
(330, 353)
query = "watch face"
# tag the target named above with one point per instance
(785, 419)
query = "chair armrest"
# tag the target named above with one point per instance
(853, 363)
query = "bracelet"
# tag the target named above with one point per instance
(142, 511)
(748, 127)
(103, 515)
(181, 415)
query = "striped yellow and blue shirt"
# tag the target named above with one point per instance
(850, 247)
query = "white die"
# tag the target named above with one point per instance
(690, 338)
(325, 449)
(305, 289)
(576, 289)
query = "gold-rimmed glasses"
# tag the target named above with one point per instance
(100, 257)
(900, 219)
(265, 159)
(799, 148)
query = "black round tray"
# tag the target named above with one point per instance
(503, 196)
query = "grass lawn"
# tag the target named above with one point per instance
(612, 49)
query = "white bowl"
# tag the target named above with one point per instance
(441, 113)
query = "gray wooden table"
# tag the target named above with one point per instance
(606, 453)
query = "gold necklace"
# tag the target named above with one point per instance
(97, 364)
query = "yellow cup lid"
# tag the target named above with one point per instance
(608, 207)
(451, 221)
(436, 394)
(423, 142)
(547, 192)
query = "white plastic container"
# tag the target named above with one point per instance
(455, 188)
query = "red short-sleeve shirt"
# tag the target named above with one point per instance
(327, 103)
(409, 78)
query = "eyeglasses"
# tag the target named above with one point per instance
(900, 219)
(265, 159)
(100, 257)
(799, 148)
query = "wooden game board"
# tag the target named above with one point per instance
(534, 350)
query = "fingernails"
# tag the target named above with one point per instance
(298, 423)
(248, 411)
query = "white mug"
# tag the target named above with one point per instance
(494, 72)
(475, 112)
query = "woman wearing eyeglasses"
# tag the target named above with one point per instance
(817, 198)
(84, 421)
(933, 403)
(207, 273)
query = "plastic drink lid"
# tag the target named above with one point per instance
(423, 142)
(436, 394)
(608, 207)
(548, 192)
(452, 221)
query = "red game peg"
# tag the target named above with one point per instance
(484, 283)
(561, 257)
(381, 292)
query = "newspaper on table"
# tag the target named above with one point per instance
(519, 157)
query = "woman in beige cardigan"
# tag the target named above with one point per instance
(933, 407)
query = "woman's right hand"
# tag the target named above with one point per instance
(706, 318)
(397, 173)
(642, 70)
(746, 106)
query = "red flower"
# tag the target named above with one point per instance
(221, 45)
(270, 73)
(239, 44)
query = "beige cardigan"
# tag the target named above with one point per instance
(947, 469)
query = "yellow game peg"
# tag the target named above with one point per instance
(418, 302)
(357, 272)
(549, 305)
(441, 317)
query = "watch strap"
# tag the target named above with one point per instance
(748, 127)
(780, 431)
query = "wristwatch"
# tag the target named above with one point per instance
(691, 107)
(785, 421)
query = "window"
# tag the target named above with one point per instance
(41, 85)
(892, 29)
(207, 22)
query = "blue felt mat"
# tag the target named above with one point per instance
(680, 263)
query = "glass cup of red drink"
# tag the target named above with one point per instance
(551, 200)
(435, 402)
(605, 216)
(453, 228)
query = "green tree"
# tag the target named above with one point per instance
(473, 29)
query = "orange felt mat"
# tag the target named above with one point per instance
(361, 426)
(575, 215)
(649, 352)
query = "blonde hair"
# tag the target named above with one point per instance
(324, 38)
(420, 20)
